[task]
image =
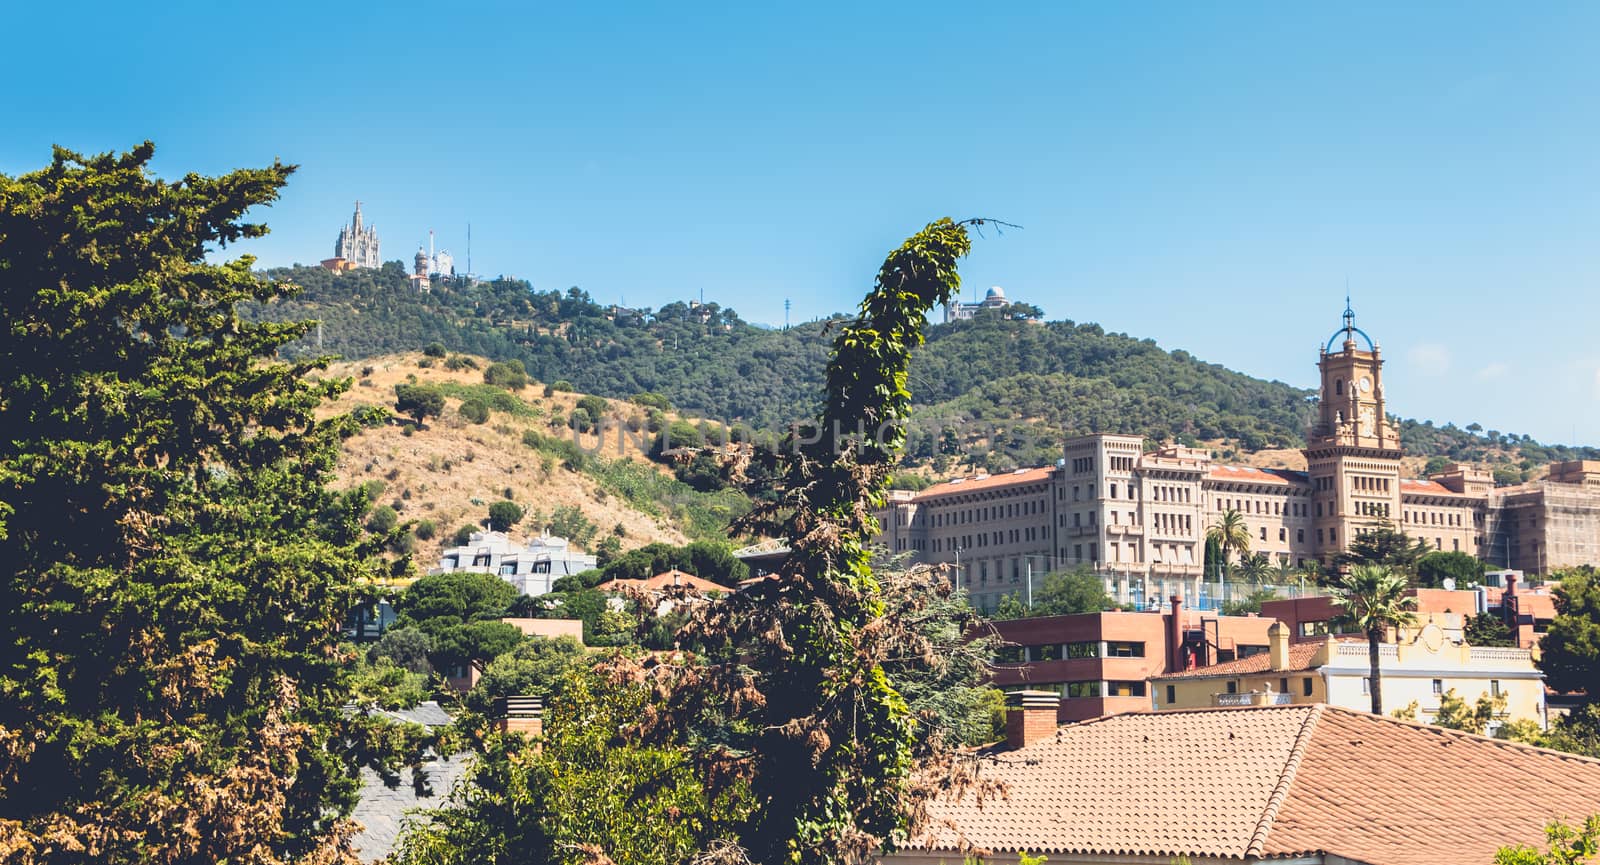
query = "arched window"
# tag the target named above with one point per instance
(1338, 387)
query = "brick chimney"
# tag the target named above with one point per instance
(1031, 717)
(1175, 635)
(1508, 601)
(1278, 646)
(520, 714)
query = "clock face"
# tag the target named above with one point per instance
(1365, 384)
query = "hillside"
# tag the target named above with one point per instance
(1008, 391)
(450, 470)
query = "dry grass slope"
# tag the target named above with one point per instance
(450, 471)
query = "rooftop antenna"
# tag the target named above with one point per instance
(786, 313)
(430, 247)
(469, 250)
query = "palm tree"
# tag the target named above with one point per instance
(1374, 600)
(1230, 533)
(1254, 569)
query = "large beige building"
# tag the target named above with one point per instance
(1140, 516)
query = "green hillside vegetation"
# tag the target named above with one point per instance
(1012, 388)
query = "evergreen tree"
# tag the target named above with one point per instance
(176, 570)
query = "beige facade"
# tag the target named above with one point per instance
(1140, 517)
(1421, 667)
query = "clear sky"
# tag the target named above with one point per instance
(1207, 175)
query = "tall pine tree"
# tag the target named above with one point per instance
(175, 569)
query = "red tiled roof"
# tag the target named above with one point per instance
(1300, 655)
(1262, 782)
(988, 482)
(1425, 488)
(663, 581)
(1252, 475)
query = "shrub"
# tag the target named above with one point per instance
(507, 374)
(425, 530)
(434, 349)
(474, 411)
(418, 401)
(459, 362)
(652, 400)
(503, 515)
(463, 536)
(382, 520)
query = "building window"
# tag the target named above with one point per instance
(1438, 686)
(1124, 649)
(1494, 687)
(1083, 689)
(1085, 649)
(1125, 689)
(1233, 687)
(1172, 695)
(1305, 686)
(1366, 684)
(1246, 651)
(1283, 685)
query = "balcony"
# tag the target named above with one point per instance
(1253, 698)
(1494, 654)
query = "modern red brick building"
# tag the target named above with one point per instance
(1100, 663)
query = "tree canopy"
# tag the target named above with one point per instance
(177, 569)
(1055, 379)
(1571, 657)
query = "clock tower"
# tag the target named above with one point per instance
(1352, 448)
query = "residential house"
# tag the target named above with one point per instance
(1310, 784)
(1423, 666)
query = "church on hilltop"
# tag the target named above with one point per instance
(357, 246)
(1140, 518)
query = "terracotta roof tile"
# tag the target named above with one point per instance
(664, 581)
(1265, 782)
(1250, 474)
(1421, 487)
(1300, 657)
(985, 482)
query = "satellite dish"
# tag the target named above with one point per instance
(1449, 584)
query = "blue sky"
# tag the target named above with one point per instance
(1207, 175)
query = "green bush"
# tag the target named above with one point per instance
(507, 374)
(425, 530)
(382, 520)
(418, 401)
(463, 536)
(503, 515)
(651, 400)
(434, 349)
(474, 411)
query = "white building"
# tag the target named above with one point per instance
(994, 298)
(532, 566)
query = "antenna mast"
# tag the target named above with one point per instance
(786, 313)
(469, 251)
